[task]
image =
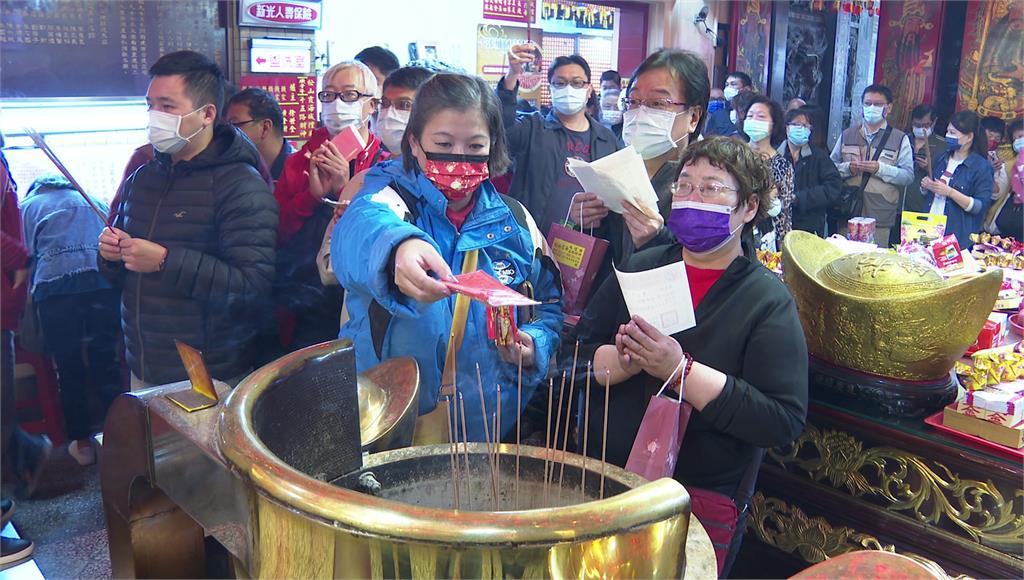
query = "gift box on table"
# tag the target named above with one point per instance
(1002, 404)
(992, 334)
(994, 432)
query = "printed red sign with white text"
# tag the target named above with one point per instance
(283, 14)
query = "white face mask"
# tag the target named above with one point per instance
(649, 131)
(732, 116)
(567, 100)
(338, 114)
(730, 92)
(611, 117)
(162, 131)
(874, 114)
(775, 208)
(390, 127)
(922, 132)
(1018, 144)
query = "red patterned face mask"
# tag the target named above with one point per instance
(456, 176)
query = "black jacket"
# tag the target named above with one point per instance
(218, 220)
(747, 327)
(538, 146)
(816, 185)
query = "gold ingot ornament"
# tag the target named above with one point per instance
(881, 313)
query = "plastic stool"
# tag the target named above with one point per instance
(39, 369)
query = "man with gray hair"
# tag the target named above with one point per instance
(307, 312)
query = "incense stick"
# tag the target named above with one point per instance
(494, 458)
(452, 453)
(568, 411)
(604, 428)
(498, 442)
(547, 440)
(519, 429)
(487, 434)
(586, 433)
(41, 144)
(558, 425)
(465, 453)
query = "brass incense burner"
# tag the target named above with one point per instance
(277, 488)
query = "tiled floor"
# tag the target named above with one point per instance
(65, 520)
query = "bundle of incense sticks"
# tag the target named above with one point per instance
(555, 442)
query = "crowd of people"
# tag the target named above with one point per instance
(225, 237)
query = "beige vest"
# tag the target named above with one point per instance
(881, 199)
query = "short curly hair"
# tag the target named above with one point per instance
(749, 168)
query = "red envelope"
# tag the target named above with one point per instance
(579, 258)
(349, 142)
(482, 286)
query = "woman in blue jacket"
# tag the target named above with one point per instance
(418, 220)
(961, 183)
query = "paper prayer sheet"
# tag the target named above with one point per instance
(617, 178)
(660, 296)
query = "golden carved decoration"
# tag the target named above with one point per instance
(909, 484)
(789, 529)
(882, 313)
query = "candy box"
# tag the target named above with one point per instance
(947, 254)
(992, 334)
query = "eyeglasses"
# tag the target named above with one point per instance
(239, 124)
(574, 83)
(799, 125)
(345, 96)
(400, 104)
(659, 104)
(705, 191)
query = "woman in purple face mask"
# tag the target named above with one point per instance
(744, 363)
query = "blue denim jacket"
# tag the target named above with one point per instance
(973, 178)
(61, 232)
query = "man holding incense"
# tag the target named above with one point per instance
(192, 246)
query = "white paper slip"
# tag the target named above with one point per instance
(616, 178)
(660, 296)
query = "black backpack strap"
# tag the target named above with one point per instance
(518, 211)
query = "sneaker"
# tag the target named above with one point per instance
(82, 451)
(14, 550)
(6, 511)
(33, 462)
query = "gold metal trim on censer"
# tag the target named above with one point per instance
(908, 484)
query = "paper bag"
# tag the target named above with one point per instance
(656, 447)
(579, 257)
(923, 228)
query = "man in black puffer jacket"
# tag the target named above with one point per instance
(193, 242)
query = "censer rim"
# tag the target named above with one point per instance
(649, 503)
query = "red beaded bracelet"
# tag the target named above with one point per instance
(689, 364)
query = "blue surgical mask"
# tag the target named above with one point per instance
(798, 135)
(874, 114)
(1018, 144)
(953, 142)
(715, 104)
(757, 129)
